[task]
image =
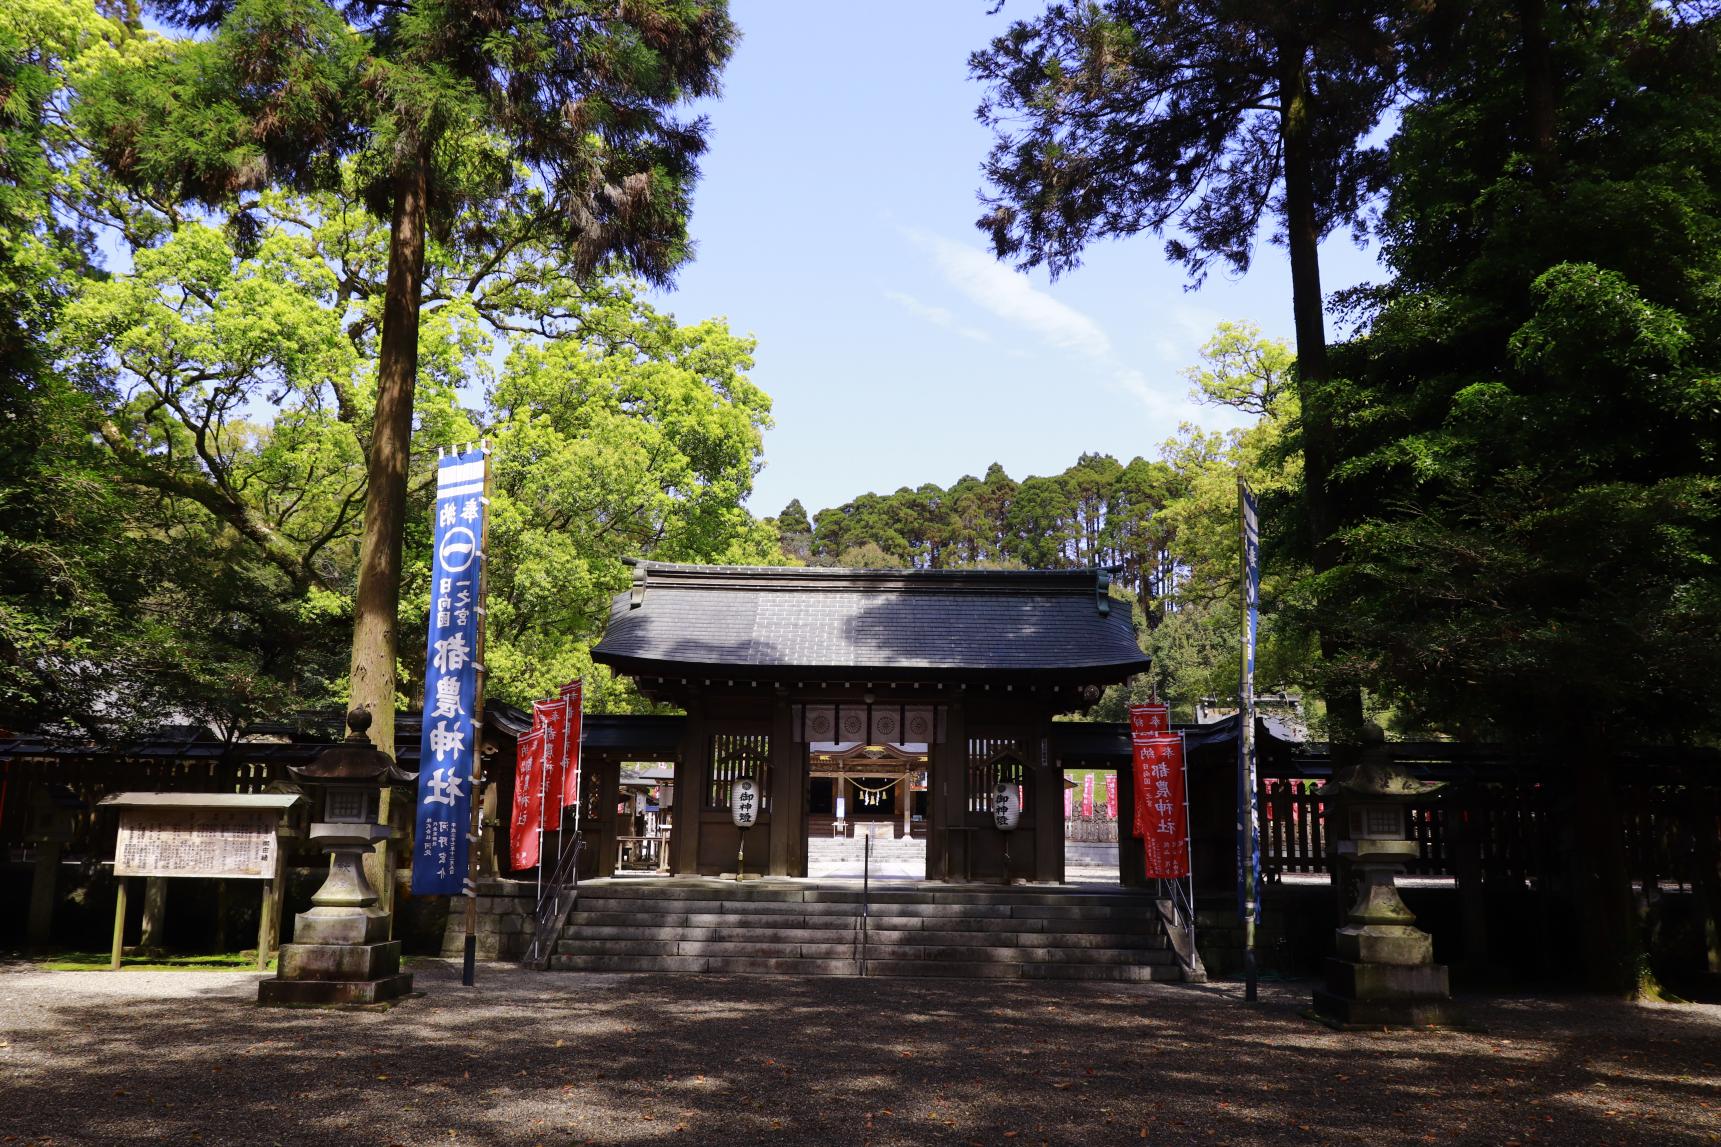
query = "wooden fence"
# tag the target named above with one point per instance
(1512, 830)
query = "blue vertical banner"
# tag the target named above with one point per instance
(453, 689)
(1248, 815)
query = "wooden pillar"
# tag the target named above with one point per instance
(947, 852)
(905, 794)
(269, 920)
(44, 894)
(609, 793)
(690, 788)
(1472, 891)
(1048, 809)
(490, 802)
(119, 923)
(1131, 854)
(154, 912)
(788, 793)
(379, 865)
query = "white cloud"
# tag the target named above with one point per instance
(1013, 298)
(939, 316)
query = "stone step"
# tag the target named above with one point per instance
(819, 894)
(915, 936)
(1138, 910)
(704, 948)
(956, 969)
(929, 969)
(736, 965)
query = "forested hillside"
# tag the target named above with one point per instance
(1167, 525)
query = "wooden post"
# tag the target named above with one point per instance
(690, 773)
(44, 891)
(221, 916)
(947, 853)
(1131, 858)
(788, 831)
(1048, 799)
(119, 922)
(379, 865)
(905, 793)
(154, 912)
(269, 919)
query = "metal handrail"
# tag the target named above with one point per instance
(866, 897)
(1181, 927)
(551, 911)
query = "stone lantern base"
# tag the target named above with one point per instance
(1359, 995)
(1384, 974)
(341, 953)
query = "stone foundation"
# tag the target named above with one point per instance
(505, 910)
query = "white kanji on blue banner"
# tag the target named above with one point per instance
(448, 743)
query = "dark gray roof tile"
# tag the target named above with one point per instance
(885, 621)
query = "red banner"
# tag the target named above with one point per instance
(573, 697)
(527, 825)
(1111, 795)
(1088, 796)
(1161, 814)
(551, 718)
(1149, 721)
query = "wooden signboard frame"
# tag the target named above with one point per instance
(219, 836)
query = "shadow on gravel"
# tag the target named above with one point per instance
(562, 1057)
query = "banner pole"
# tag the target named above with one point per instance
(469, 964)
(579, 772)
(1248, 855)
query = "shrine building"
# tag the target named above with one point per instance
(886, 702)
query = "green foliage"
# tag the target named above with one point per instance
(1125, 116)
(1533, 489)
(228, 379)
(559, 114)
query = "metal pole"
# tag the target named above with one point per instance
(469, 965)
(1246, 840)
(866, 895)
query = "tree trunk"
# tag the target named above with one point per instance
(1538, 83)
(376, 605)
(1608, 926)
(1303, 237)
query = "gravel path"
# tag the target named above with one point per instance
(185, 1057)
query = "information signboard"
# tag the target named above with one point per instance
(225, 843)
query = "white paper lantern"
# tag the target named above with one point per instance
(1006, 805)
(744, 802)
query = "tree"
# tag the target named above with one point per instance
(510, 123)
(1204, 120)
(1531, 433)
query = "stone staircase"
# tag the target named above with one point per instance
(798, 927)
(851, 850)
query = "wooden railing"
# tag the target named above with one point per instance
(1510, 830)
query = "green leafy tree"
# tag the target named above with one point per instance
(1205, 121)
(233, 390)
(551, 123)
(1534, 492)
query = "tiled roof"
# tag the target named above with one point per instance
(894, 623)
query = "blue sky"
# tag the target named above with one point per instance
(835, 222)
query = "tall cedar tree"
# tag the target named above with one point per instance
(1532, 437)
(562, 109)
(1203, 120)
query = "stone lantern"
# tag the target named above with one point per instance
(1384, 974)
(341, 953)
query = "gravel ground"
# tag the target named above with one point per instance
(186, 1057)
